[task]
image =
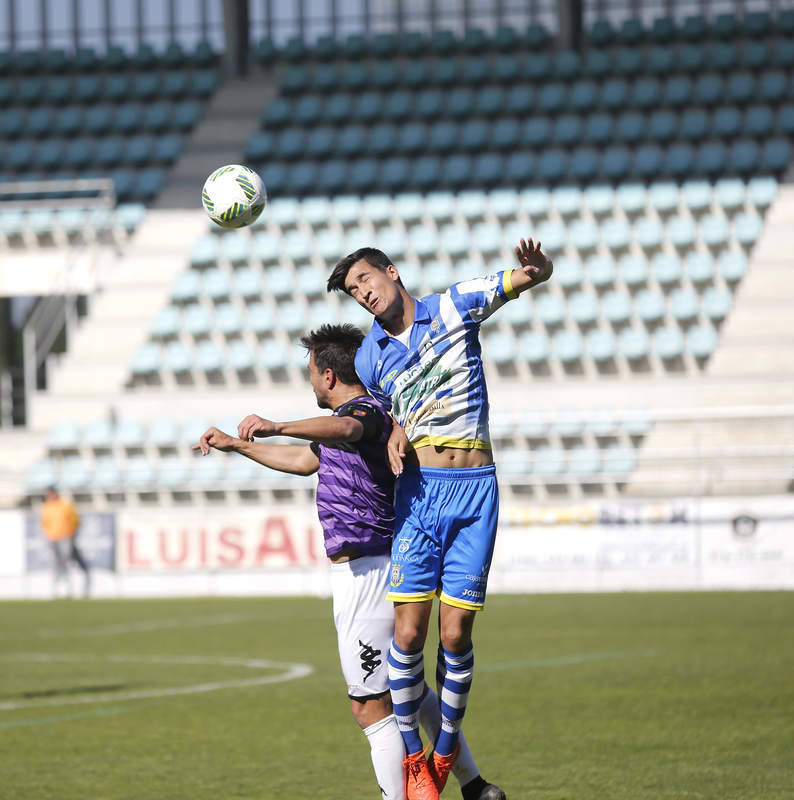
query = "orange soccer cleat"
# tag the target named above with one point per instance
(419, 783)
(441, 766)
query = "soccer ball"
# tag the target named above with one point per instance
(233, 196)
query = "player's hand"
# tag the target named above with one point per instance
(534, 262)
(395, 448)
(214, 438)
(254, 425)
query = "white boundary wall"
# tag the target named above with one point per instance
(686, 544)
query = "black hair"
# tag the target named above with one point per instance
(374, 257)
(334, 347)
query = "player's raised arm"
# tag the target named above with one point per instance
(536, 267)
(294, 459)
(325, 430)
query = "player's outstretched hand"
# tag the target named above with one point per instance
(395, 448)
(214, 438)
(254, 425)
(534, 262)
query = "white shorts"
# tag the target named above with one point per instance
(364, 621)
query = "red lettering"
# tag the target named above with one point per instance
(311, 540)
(133, 561)
(230, 539)
(202, 548)
(276, 540)
(183, 552)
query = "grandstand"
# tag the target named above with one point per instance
(650, 154)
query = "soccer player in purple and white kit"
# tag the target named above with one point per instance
(354, 502)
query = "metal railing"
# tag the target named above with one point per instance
(80, 193)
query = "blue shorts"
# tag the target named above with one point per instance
(444, 535)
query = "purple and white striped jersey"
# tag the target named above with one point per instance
(355, 488)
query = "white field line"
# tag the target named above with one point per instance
(143, 626)
(287, 672)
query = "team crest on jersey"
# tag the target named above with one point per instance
(357, 412)
(435, 325)
(397, 576)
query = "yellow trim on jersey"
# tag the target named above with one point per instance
(465, 604)
(414, 597)
(507, 284)
(449, 441)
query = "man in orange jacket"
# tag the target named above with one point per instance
(60, 522)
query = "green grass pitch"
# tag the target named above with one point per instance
(588, 697)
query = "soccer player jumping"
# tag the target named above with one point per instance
(422, 358)
(354, 502)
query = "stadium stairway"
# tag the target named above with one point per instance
(751, 371)
(228, 120)
(85, 381)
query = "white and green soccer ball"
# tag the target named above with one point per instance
(233, 196)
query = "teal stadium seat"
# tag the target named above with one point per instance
(650, 306)
(667, 269)
(761, 191)
(668, 343)
(717, 303)
(617, 307)
(634, 344)
(684, 305)
(700, 268)
(701, 341)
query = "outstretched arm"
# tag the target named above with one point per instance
(326, 430)
(295, 459)
(536, 267)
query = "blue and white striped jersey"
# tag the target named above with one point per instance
(436, 386)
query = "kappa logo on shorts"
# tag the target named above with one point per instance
(369, 659)
(397, 576)
(405, 546)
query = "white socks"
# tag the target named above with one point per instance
(387, 751)
(465, 770)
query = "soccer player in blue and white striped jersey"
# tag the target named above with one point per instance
(422, 358)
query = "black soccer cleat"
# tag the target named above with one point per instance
(492, 792)
(479, 789)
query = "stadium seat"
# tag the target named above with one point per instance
(717, 303)
(601, 346)
(684, 305)
(729, 193)
(550, 309)
(98, 435)
(701, 341)
(714, 231)
(666, 269)
(663, 196)
(583, 308)
(761, 191)
(166, 324)
(599, 199)
(617, 307)
(747, 229)
(634, 344)
(696, 196)
(616, 234)
(699, 268)
(668, 343)
(618, 461)
(650, 306)
(567, 346)
(776, 155)
(648, 233)
(568, 273)
(681, 231)
(732, 266)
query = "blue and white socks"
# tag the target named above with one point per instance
(406, 682)
(454, 672)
